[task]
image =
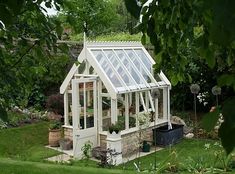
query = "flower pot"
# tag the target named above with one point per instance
(163, 136)
(54, 137)
(65, 144)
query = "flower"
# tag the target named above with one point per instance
(216, 90)
(195, 88)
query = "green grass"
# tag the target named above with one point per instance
(190, 153)
(26, 143)
(8, 166)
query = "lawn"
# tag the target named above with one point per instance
(26, 145)
(26, 142)
(189, 155)
(8, 166)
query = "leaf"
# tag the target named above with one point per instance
(228, 110)
(226, 133)
(133, 8)
(210, 119)
(226, 79)
(143, 39)
(210, 59)
(158, 58)
(227, 128)
(174, 79)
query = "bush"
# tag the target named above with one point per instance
(55, 103)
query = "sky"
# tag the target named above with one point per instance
(50, 11)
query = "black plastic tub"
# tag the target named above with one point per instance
(164, 137)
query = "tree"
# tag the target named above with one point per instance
(91, 17)
(180, 30)
(28, 38)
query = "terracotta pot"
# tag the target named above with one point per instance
(54, 137)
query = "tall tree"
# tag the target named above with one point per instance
(204, 29)
(91, 17)
(27, 39)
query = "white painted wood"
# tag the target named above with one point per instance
(113, 111)
(99, 103)
(114, 142)
(68, 78)
(146, 100)
(126, 112)
(142, 101)
(84, 104)
(82, 56)
(168, 109)
(164, 78)
(156, 110)
(165, 104)
(82, 136)
(151, 101)
(66, 109)
(75, 113)
(137, 107)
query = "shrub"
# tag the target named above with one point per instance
(54, 125)
(55, 103)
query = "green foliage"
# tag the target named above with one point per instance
(54, 125)
(27, 41)
(86, 150)
(3, 114)
(97, 17)
(227, 128)
(210, 119)
(184, 30)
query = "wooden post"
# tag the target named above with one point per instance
(113, 111)
(156, 110)
(66, 108)
(126, 112)
(165, 104)
(137, 107)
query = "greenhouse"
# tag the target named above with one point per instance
(113, 83)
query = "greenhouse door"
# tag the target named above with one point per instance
(84, 111)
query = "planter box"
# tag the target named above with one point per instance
(164, 137)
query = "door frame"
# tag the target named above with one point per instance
(80, 136)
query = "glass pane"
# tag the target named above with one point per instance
(137, 62)
(100, 57)
(119, 67)
(90, 105)
(123, 58)
(144, 58)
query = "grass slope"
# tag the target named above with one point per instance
(8, 166)
(26, 143)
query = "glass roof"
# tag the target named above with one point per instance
(127, 68)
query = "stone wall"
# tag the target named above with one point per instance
(68, 133)
(103, 143)
(130, 142)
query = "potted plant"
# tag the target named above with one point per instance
(114, 128)
(54, 133)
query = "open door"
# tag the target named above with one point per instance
(84, 111)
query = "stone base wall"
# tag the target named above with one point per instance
(103, 143)
(68, 133)
(130, 142)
